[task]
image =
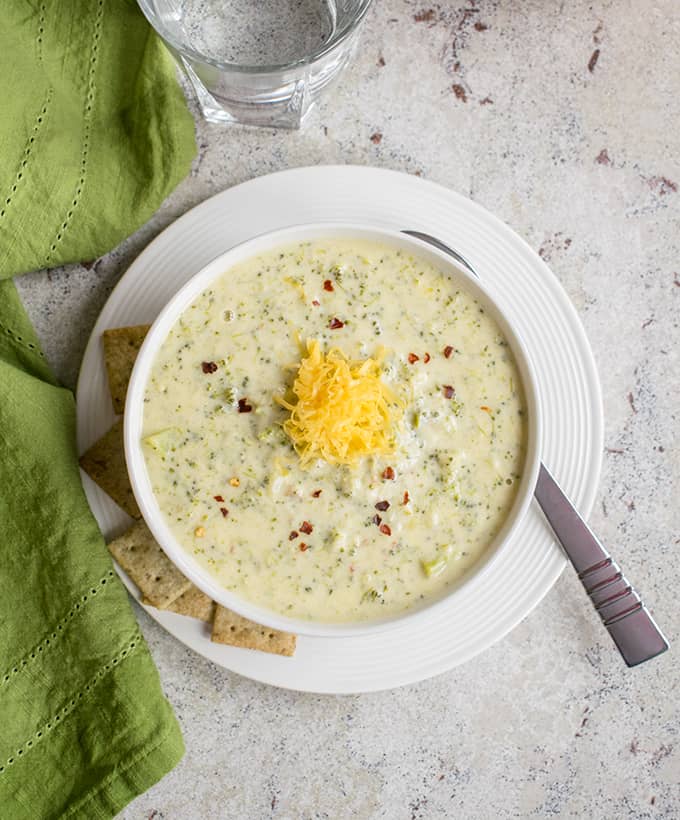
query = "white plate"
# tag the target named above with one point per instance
(523, 285)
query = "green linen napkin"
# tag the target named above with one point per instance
(94, 134)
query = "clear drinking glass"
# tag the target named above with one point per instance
(258, 62)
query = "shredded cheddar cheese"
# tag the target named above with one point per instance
(343, 410)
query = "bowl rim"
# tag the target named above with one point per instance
(133, 423)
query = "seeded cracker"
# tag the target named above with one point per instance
(148, 566)
(232, 629)
(104, 462)
(121, 346)
(195, 604)
(162, 585)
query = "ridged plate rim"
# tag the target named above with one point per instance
(537, 305)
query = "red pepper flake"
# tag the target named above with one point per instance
(306, 527)
(424, 16)
(592, 62)
(385, 530)
(224, 511)
(459, 91)
(377, 520)
(303, 547)
(406, 498)
(335, 324)
(328, 285)
(448, 391)
(208, 367)
(243, 406)
(412, 358)
(388, 474)
(448, 350)
(316, 493)
(218, 498)
(485, 408)
(382, 506)
(426, 358)
(293, 535)
(316, 302)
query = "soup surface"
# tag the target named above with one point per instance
(376, 520)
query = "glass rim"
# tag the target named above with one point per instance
(308, 59)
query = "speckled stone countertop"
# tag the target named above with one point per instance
(563, 119)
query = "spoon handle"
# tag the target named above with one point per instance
(629, 623)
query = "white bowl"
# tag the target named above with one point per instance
(134, 409)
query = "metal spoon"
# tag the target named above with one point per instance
(632, 628)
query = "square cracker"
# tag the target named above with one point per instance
(194, 603)
(149, 567)
(121, 346)
(232, 629)
(104, 462)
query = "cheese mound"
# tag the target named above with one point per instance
(343, 410)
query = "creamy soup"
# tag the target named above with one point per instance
(335, 430)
